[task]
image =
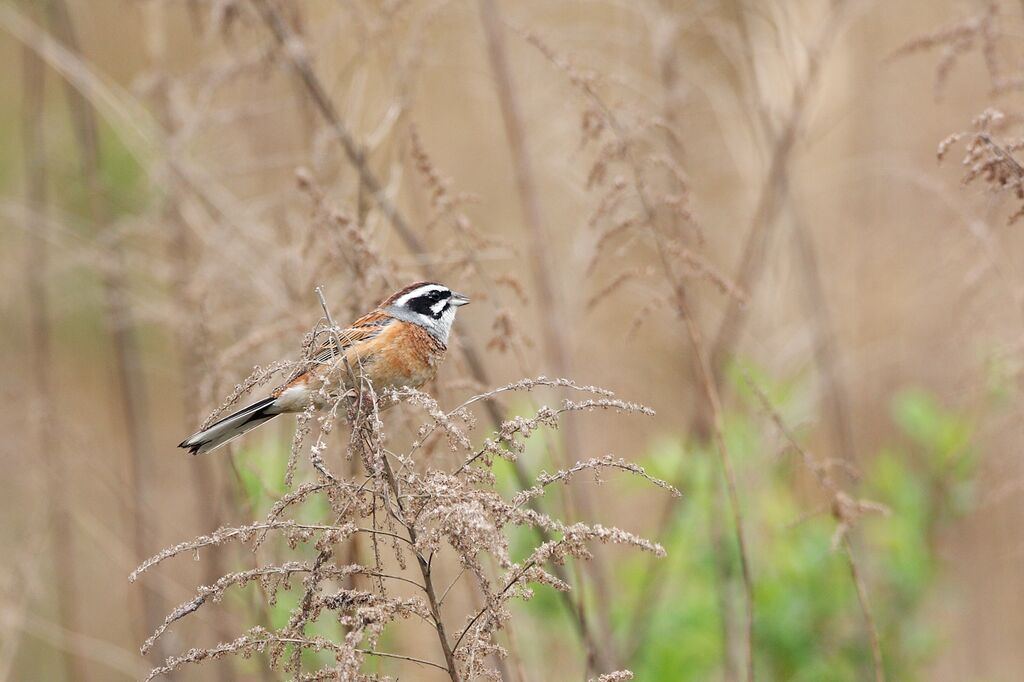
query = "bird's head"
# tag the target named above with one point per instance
(428, 304)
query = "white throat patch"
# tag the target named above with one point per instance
(439, 328)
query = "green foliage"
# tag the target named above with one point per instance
(809, 622)
(260, 472)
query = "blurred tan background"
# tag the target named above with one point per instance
(211, 252)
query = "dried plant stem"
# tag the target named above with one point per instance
(705, 375)
(772, 199)
(865, 607)
(299, 60)
(191, 335)
(303, 68)
(353, 151)
(400, 657)
(130, 379)
(714, 402)
(846, 512)
(428, 583)
(776, 184)
(826, 353)
(540, 242)
(826, 346)
(44, 410)
(553, 312)
(724, 587)
(710, 389)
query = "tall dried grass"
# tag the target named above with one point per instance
(284, 152)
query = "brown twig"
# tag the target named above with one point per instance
(425, 571)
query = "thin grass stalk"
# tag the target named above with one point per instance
(44, 409)
(705, 373)
(826, 353)
(846, 512)
(714, 401)
(644, 608)
(540, 243)
(826, 346)
(129, 377)
(865, 608)
(707, 382)
(774, 191)
(303, 68)
(772, 199)
(710, 390)
(298, 59)
(553, 312)
(646, 603)
(428, 583)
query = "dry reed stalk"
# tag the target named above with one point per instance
(846, 510)
(714, 401)
(774, 189)
(43, 411)
(625, 151)
(773, 198)
(826, 353)
(129, 377)
(190, 327)
(297, 58)
(642, 615)
(464, 238)
(554, 315)
(553, 311)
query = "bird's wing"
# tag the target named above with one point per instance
(363, 329)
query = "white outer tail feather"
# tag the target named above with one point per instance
(231, 427)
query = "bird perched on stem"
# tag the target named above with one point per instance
(398, 344)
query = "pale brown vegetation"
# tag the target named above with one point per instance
(417, 511)
(634, 194)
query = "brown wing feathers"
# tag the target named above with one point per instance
(364, 329)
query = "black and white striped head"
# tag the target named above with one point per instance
(428, 304)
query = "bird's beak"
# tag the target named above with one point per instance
(459, 299)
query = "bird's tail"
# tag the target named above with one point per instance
(230, 427)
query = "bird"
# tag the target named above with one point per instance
(398, 344)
